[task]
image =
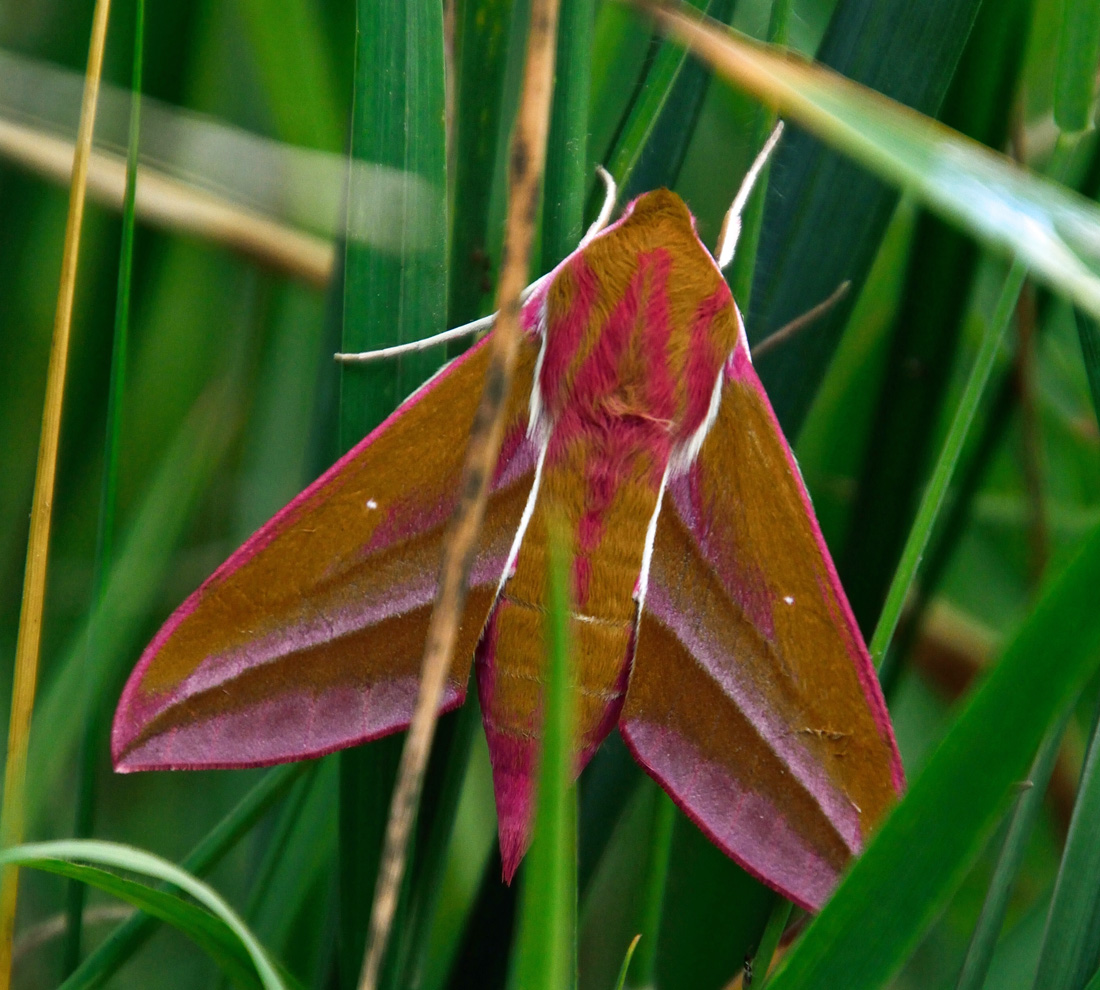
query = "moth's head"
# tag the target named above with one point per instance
(661, 206)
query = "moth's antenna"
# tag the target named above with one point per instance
(788, 330)
(731, 226)
(413, 346)
(611, 193)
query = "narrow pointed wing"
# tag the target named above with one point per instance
(752, 699)
(309, 638)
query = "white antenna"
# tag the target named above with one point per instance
(731, 226)
(469, 329)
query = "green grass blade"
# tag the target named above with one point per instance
(137, 577)
(206, 930)
(938, 483)
(118, 947)
(481, 47)
(923, 850)
(1075, 72)
(565, 179)
(398, 120)
(652, 901)
(630, 949)
(545, 944)
(95, 717)
(1088, 333)
(752, 221)
(1048, 227)
(827, 216)
(294, 62)
(1071, 942)
(929, 326)
(769, 941)
(138, 861)
(983, 941)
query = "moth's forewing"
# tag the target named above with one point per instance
(752, 699)
(309, 638)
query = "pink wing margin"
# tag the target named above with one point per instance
(753, 700)
(309, 637)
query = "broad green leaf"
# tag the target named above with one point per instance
(137, 861)
(924, 848)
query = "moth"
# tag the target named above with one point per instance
(709, 624)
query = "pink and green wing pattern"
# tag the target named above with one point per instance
(309, 638)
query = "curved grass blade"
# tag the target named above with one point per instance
(921, 854)
(621, 982)
(206, 930)
(118, 947)
(663, 821)
(1071, 942)
(544, 957)
(138, 861)
(95, 717)
(28, 646)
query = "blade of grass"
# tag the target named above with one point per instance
(1071, 941)
(12, 810)
(1088, 333)
(481, 43)
(398, 116)
(525, 180)
(983, 940)
(643, 971)
(1075, 71)
(936, 490)
(925, 847)
(95, 718)
(752, 219)
(621, 982)
(826, 216)
(138, 861)
(927, 330)
(147, 555)
(769, 941)
(567, 146)
(544, 953)
(206, 930)
(121, 944)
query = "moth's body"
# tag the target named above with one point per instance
(636, 330)
(709, 623)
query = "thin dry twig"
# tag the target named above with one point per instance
(524, 184)
(799, 323)
(174, 205)
(34, 584)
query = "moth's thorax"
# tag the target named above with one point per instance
(638, 325)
